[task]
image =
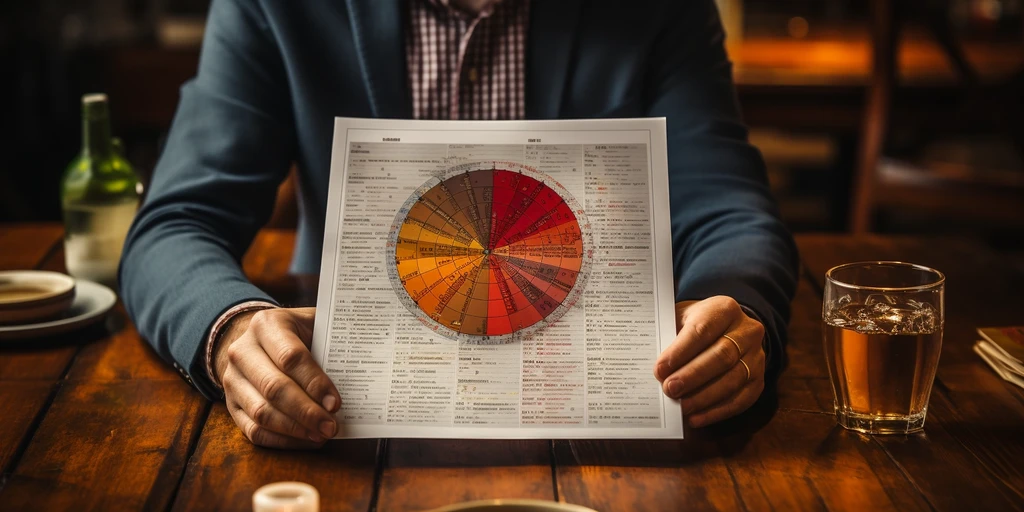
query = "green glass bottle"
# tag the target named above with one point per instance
(100, 194)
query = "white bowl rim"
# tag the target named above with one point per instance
(59, 284)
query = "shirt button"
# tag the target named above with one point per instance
(474, 75)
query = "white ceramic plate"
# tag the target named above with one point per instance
(92, 302)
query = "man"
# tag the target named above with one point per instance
(274, 74)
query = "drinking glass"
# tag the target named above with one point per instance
(883, 335)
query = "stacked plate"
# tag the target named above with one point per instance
(38, 303)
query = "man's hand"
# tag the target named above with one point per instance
(275, 392)
(702, 367)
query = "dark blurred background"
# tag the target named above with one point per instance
(887, 116)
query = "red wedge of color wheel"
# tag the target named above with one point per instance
(489, 252)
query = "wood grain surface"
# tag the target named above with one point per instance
(23, 246)
(118, 445)
(94, 420)
(226, 469)
(116, 436)
(28, 370)
(427, 473)
(21, 402)
(120, 426)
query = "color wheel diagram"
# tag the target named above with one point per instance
(490, 252)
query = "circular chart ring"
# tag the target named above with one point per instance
(490, 252)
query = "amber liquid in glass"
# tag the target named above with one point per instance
(882, 364)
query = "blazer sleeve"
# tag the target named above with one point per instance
(727, 237)
(229, 148)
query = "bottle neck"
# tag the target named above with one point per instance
(96, 139)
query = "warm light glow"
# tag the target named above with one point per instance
(798, 27)
(989, 9)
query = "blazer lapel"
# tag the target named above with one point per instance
(378, 27)
(550, 44)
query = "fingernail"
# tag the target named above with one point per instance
(675, 388)
(315, 437)
(327, 428)
(697, 421)
(329, 402)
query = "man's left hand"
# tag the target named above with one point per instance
(706, 370)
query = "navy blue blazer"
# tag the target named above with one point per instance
(274, 74)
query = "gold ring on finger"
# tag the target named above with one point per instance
(745, 367)
(734, 342)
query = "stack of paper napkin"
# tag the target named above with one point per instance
(1003, 349)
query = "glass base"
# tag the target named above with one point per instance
(881, 424)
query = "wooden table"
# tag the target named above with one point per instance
(96, 421)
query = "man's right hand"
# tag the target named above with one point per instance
(275, 392)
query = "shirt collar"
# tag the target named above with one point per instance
(486, 11)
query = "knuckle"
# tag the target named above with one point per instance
(729, 305)
(260, 319)
(758, 331)
(227, 382)
(235, 353)
(265, 319)
(701, 329)
(726, 353)
(261, 414)
(253, 433)
(320, 385)
(296, 429)
(291, 358)
(272, 388)
(311, 414)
